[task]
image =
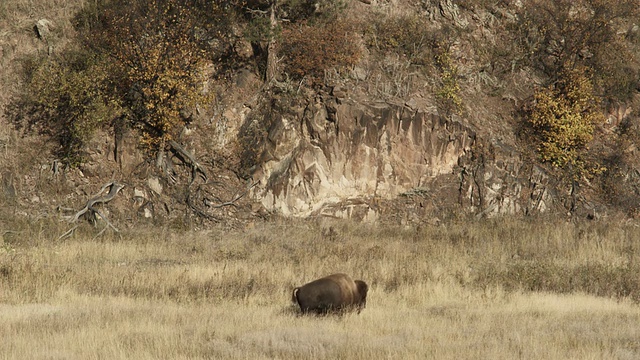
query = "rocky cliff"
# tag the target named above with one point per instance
(341, 158)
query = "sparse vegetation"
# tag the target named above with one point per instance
(157, 75)
(589, 33)
(407, 34)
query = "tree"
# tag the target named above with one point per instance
(160, 57)
(571, 33)
(138, 63)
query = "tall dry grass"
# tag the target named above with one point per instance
(464, 290)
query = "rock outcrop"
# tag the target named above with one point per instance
(342, 158)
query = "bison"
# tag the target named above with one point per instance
(334, 293)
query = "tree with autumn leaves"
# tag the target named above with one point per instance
(587, 62)
(159, 51)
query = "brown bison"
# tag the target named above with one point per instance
(333, 293)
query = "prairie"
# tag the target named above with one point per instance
(498, 289)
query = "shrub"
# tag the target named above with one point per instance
(616, 281)
(563, 116)
(405, 33)
(448, 94)
(296, 10)
(621, 184)
(312, 49)
(64, 99)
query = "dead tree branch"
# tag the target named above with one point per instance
(90, 207)
(231, 202)
(187, 157)
(199, 212)
(68, 233)
(98, 199)
(106, 221)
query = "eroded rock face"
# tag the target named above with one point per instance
(343, 159)
(356, 153)
(495, 180)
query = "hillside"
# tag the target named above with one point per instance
(390, 111)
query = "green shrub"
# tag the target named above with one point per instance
(65, 100)
(259, 30)
(407, 34)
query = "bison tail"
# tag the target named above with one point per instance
(294, 296)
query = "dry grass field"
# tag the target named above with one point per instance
(503, 289)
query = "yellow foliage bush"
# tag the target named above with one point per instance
(448, 93)
(563, 115)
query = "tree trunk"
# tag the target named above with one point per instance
(272, 51)
(160, 155)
